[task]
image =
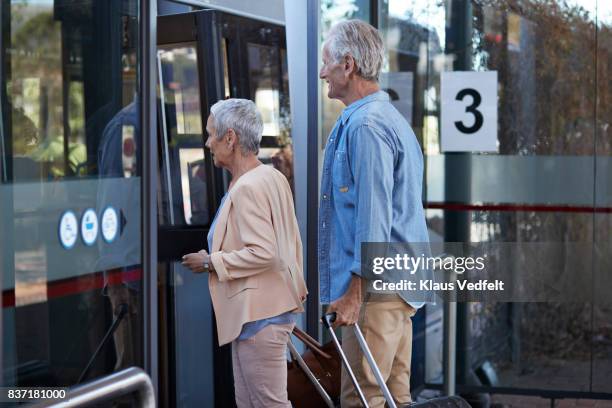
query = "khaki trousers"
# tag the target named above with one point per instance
(260, 368)
(385, 321)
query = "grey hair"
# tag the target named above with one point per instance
(361, 41)
(241, 115)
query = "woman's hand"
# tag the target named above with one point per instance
(196, 261)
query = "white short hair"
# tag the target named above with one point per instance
(361, 41)
(241, 115)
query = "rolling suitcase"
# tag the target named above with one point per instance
(445, 402)
(316, 371)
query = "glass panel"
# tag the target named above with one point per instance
(191, 293)
(552, 169)
(185, 200)
(602, 310)
(185, 194)
(411, 30)
(333, 11)
(70, 191)
(602, 313)
(269, 87)
(545, 121)
(264, 72)
(226, 81)
(181, 90)
(193, 186)
(534, 345)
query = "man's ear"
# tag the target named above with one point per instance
(350, 67)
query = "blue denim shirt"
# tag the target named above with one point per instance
(371, 190)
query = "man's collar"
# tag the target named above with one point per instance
(348, 111)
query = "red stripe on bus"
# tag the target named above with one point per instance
(80, 284)
(517, 207)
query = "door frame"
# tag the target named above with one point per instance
(147, 46)
(201, 29)
(192, 27)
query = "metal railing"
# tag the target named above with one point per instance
(109, 388)
(450, 340)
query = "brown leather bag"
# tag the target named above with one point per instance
(324, 362)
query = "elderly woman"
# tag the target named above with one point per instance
(255, 261)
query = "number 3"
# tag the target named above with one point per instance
(478, 119)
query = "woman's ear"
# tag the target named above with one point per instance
(231, 138)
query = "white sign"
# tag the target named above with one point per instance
(89, 227)
(110, 224)
(469, 111)
(68, 229)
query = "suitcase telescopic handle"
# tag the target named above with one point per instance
(327, 320)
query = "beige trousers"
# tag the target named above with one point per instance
(385, 321)
(260, 368)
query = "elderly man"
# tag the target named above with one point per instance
(370, 192)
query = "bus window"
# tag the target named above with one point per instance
(185, 192)
(70, 195)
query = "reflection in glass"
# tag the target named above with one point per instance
(181, 88)
(333, 11)
(553, 70)
(412, 31)
(602, 313)
(269, 87)
(37, 129)
(193, 185)
(226, 82)
(70, 142)
(267, 103)
(264, 73)
(184, 195)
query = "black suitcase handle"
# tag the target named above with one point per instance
(328, 319)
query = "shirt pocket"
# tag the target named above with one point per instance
(341, 173)
(237, 286)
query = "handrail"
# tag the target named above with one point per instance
(107, 388)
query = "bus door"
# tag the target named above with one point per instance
(204, 56)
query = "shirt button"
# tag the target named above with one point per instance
(323, 225)
(325, 196)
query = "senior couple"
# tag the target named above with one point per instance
(370, 192)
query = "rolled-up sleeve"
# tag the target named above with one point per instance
(372, 159)
(251, 211)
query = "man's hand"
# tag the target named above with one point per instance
(195, 261)
(348, 306)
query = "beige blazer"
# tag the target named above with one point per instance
(256, 253)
